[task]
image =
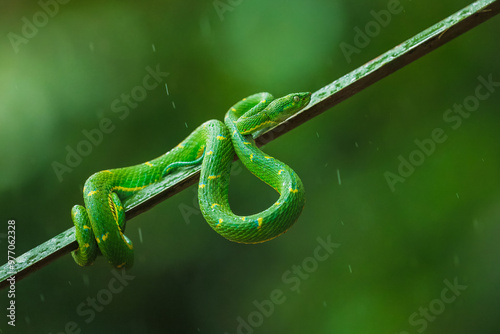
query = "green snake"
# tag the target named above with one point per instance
(100, 224)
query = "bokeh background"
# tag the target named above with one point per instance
(396, 249)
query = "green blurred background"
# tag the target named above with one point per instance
(397, 248)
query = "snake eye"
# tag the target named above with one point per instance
(296, 98)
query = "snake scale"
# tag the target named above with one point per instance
(100, 224)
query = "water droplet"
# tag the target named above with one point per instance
(140, 235)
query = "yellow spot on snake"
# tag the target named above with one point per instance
(263, 101)
(107, 171)
(221, 137)
(86, 245)
(244, 99)
(246, 143)
(120, 265)
(98, 241)
(126, 241)
(213, 177)
(128, 189)
(293, 190)
(281, 171)
(148, 163)
(180, 146)
(220, 222)
(85, 227)
(233, 109)
(243, 218)
(268, 157)
(262, 124)
(251, 157)
(260, 222)
(105, 236)
(214, 205)
(202, 185)
(277, 203)
(92, 193)
(200, 151)
(210, 152)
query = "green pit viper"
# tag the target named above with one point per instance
(101, 223)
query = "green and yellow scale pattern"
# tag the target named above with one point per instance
(100, 224)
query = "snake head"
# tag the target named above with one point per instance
(286, 106)
(276, 112)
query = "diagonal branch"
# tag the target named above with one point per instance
(322, 100)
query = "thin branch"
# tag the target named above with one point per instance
(322, 100)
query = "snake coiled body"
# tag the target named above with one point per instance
(101, 223)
